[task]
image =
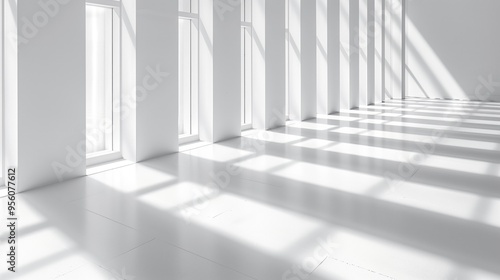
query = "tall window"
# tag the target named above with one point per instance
(188, 69)
(102, 67)
(287, 55)
(246, 62)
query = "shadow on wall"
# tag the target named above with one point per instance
(453, 49)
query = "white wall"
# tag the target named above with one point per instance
(45, 86)
(347, 53)
(451, 44)
(365, 63)
(322, 87)
(394, 41)
(334, 56)
(376, 35)
(220, 79)
(49, 90)
(128, 80)
(363, 52)
(354, 67)
(10, 86)
(302, 60)
(328, 56)
(345, 50)
(268, 66)
(149, 79)
(156, 78)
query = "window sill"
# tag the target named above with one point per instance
(102, 157)
(192, 145)
(108, 166)
(187, 138)
(246, 126)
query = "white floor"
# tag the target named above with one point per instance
(401, 190)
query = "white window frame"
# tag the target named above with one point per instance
(115, 154)
(246, 101)
(193, 17)
(287, 59)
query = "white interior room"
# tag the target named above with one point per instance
(250, 139)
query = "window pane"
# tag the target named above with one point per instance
(185, 6)
(188, 69)
(194, 76)
(248, 74)
(99, 55)
(194, 6)
(246, 63)
(242, 6)
(248, 10)
(242, 75)
(184, 76)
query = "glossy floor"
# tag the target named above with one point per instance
(401, 190)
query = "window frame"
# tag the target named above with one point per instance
(115, 153)
(246, 28)
(193, 17)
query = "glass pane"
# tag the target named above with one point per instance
(246, 63)
(99, 68)
(194, 77)
(242, 7)
(194, 6)
(242, 75)
(248, 75)
(184, 76)
(248, 10)
(185, 6)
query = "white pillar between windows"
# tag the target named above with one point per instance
(328, 55)
(219, 79)
(396, 10)
(302, 88)
(157, 78)
(149, 82)
(128, 80)
(364, 58)
(388, 71)
(383, 49)
(400, 33)
(322, 56)
(334, 55)
(268, 65)
(10, 91)
(354, 68)
(394, 43)
(44, 91)
(345, 49)
(370, 51)
(378, 49)
(404, 57)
